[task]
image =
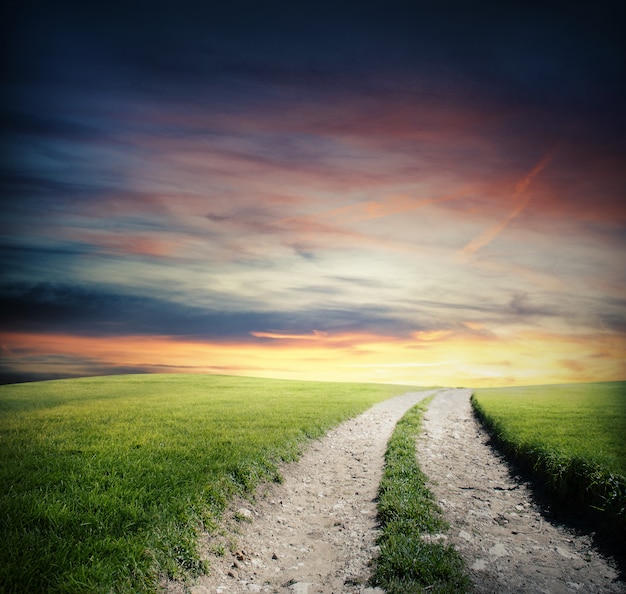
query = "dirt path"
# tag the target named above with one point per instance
(507, 543)
(316, 532)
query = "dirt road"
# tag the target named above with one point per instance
(507, 543)
(316, 532)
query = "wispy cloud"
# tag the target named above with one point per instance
(491, 233)
(315, 335)
(385, 207)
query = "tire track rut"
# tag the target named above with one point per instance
(508, 544)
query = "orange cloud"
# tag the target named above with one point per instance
(473, 325)
(140, 245)
(388, 206)
(375, 209)
(490, 234)
(432, 335)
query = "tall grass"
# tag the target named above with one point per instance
(106, 482)
(410, 561)
(572, 437)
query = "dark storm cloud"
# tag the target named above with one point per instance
(57, 308)
(88, 312)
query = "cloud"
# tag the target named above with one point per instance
(56, 308)
(614, 321)
(520, 190)
(385, 207)
(521, 307)
(164, 245)
(315, 335)
(432, 335)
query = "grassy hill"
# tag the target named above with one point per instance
(572, 437)
(107, 481)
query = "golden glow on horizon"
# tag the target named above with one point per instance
(444, 359)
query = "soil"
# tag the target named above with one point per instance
(315, 533)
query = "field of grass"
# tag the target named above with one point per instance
(409, 563)
(106, 482)
(572, 437)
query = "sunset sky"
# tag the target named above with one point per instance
(328, 191)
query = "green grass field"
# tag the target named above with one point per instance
(107, 481)
(573, 437)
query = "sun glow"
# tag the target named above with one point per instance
(442, 358)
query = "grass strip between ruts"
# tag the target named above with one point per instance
(411, 559)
